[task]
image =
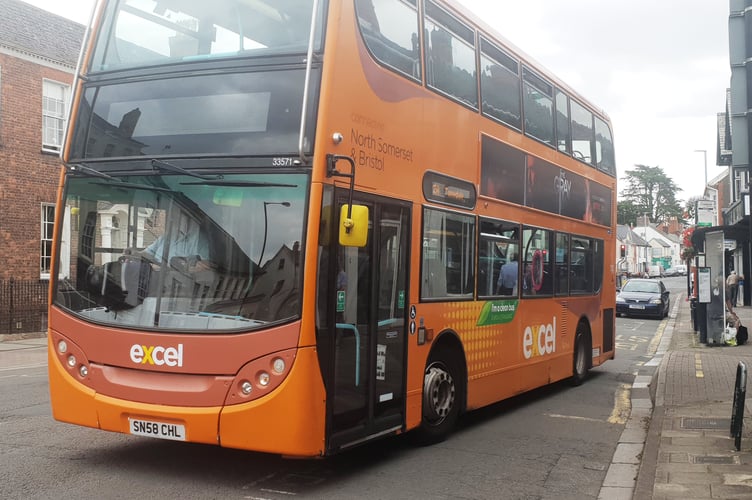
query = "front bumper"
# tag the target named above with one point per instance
(641, 309)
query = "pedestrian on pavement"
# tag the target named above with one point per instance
(732, 283)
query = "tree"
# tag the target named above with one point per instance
(690, 209)
(627, 212)
(649, 190)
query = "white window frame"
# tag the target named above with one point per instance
(54, 114)
(1, 104)
(46, 238)
(46, 235)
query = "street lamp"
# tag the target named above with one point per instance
(705, 158)
(645, 237)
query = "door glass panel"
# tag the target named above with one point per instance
(390, 345)
(370, 330)
(352, 334)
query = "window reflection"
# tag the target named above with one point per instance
(539, 107)
(450, 56)
(390, 30)
(500, 85)
(448, 260)
(582, 133)
(537, 278)
(147, 32)
(169, 252)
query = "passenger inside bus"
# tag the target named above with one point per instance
(507, 283)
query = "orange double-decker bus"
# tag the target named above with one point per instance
(297, 226)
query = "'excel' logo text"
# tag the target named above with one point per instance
(157, 355)
(539, 340)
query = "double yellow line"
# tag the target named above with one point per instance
(698, 367)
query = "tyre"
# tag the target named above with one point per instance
(581, 363)
(442, 396)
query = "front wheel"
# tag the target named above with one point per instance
(441, 398)
(580, 363)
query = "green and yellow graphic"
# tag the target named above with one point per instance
(497, 312)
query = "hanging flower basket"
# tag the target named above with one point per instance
(689, 251)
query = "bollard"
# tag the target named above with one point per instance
(702, 322)
(737, 409)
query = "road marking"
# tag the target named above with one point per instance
(24, 367)
(653, 347)
(622, 405)
(573, 417)
(698, 367)
(281, 492)
(631, 324)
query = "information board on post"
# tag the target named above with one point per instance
(704, 285)
(704, 213)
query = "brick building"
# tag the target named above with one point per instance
(38, 56)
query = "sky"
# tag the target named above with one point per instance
(659, 69)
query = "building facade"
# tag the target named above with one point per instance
(38, 55)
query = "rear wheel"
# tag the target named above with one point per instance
(441, 398)
(581, 364)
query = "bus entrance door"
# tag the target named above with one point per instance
(371, 336)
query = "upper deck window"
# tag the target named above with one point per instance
(500, 85)
(450, 56)
(582, 133)
(539, 107)
(390, 30)
(604, 147)
(563, 134)
(147, 32)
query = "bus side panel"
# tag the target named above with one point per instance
(290, 422)
(529, 350)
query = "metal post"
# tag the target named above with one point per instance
(737, 409)
(645, 237)
(747, 299)
(705, 158)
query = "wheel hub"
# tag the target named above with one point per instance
(438, 394)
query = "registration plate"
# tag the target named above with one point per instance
(161, 430)
(636, 306)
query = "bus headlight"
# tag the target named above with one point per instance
(261, 376)
(246, 387)
(62, 347)
(83, 371)
(71, 361)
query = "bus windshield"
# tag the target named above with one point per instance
(177, 252)
(139, 33)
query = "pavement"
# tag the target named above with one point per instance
(22, 351)
(677, 441)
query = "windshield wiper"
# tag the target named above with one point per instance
(133, 185)
(221, 182)
(90, 172)
(163, 165)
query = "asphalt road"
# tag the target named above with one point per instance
(553, 443)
